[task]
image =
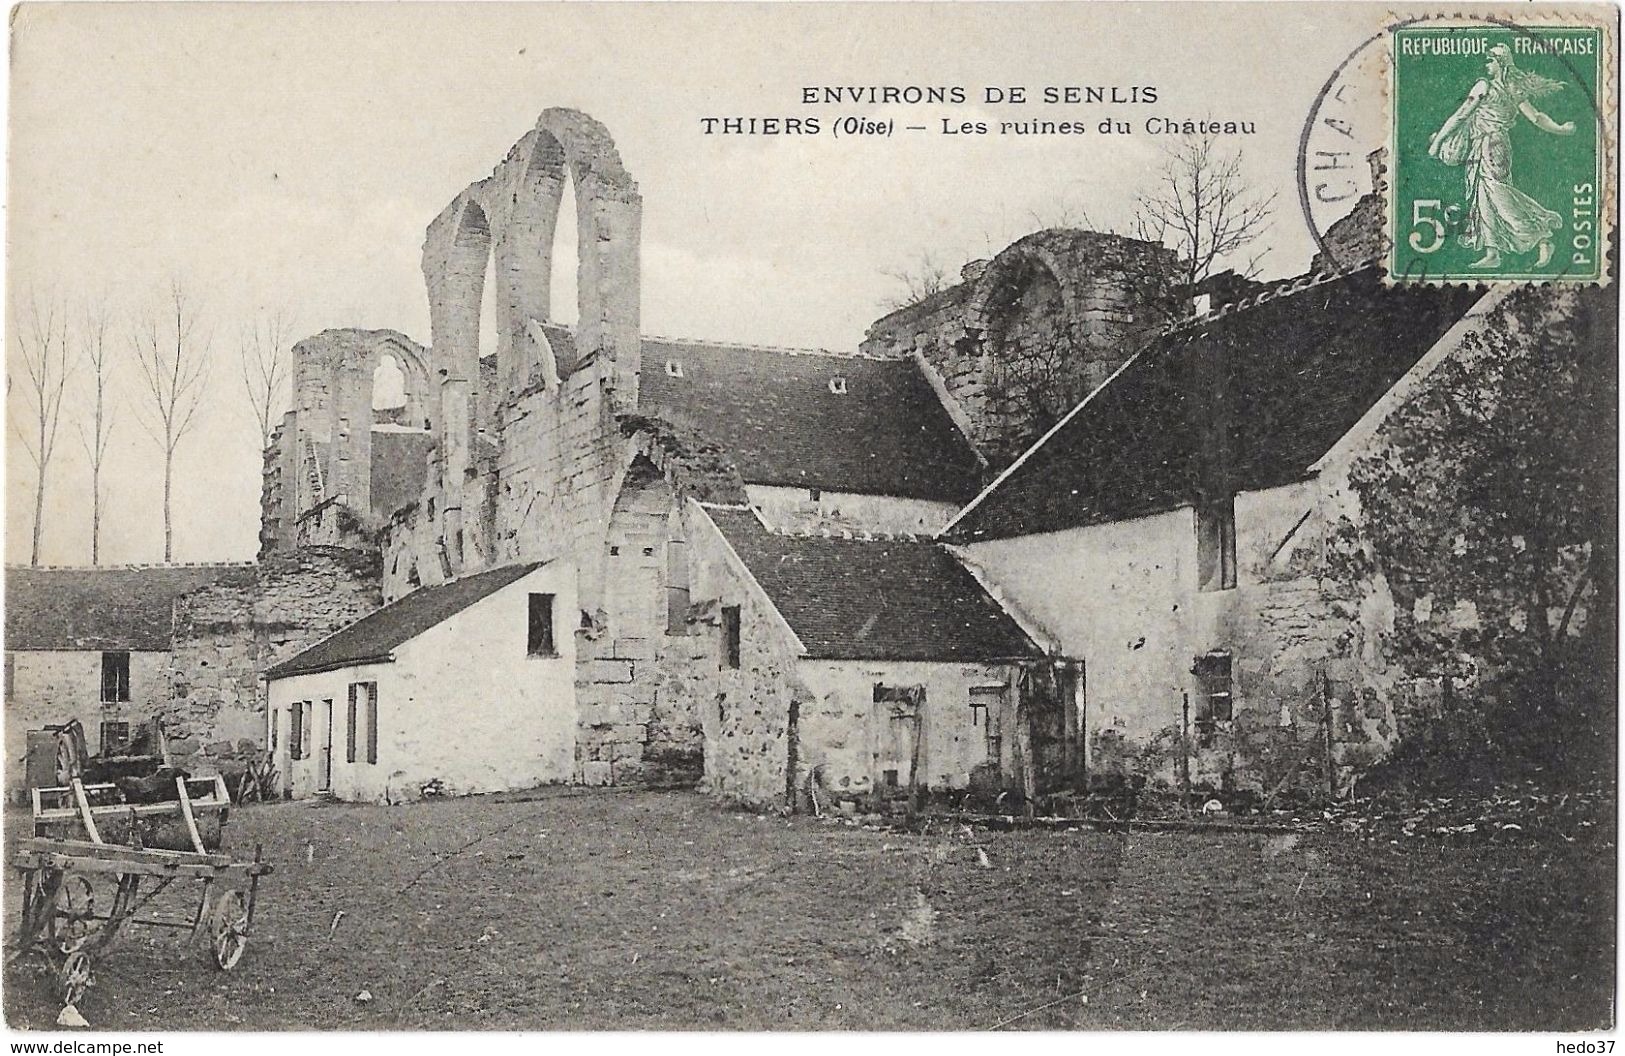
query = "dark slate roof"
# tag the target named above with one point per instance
(1299, 371)
(111, 608)
(373, 637)
(881, 599)
(773, 411)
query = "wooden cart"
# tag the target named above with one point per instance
(61, 920)
(61, 877)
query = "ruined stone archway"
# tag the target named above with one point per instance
(324, 452)
(505, 224)
(509, 219)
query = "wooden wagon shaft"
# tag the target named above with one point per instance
(81, 849)
(67, 863)
(84, 811)
(186, 812)
(101, 859)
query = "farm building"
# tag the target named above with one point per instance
(115, 646)
(467, 686)
(1070, 520)
(96, 645)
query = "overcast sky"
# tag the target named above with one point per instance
(289, 157)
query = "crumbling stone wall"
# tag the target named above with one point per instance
(507, 219)
(846, 741)
(746, 713)
(317, 483)
(226, 635)
(1472, 530)
(1026, 336)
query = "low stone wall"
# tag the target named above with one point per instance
(226, 636)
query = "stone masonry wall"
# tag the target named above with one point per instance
(226, 636)
(1025, 337)
(745, 711)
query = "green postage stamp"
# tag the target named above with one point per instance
(1500, 168)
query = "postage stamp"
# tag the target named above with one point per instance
(1498, 153)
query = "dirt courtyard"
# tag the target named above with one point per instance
(643, 910)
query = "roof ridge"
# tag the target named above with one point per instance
(782, 350)
(749, 346)
(856, 535)
(130, 566)
(1285, 288)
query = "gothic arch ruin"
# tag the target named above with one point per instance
(504, 225)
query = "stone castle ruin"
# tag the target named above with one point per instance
(1051, 527)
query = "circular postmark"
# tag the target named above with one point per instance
(1423, 151)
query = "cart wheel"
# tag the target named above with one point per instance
(75, 912)
(74, 978)
(228, 930)
(67, 760)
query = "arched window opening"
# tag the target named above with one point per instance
(490, 321)
(388, 385)
(562, 305)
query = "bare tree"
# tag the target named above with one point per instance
(46, 361)
(264, 356)
(924, 277)
(98, 355)
(1203, 208)
(174, 364)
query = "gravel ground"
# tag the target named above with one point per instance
(573, 909)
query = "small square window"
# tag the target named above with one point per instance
(115, 737)
(540, 637)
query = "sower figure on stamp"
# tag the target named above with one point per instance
(1500, 218)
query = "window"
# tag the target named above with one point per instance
(296, 728)
(837, 385)
(814, 494)
(349, 724)
(115, 677)
(730, 636)
(306, 725)
(1214, 704)
(115, 737)
(674, 369)
(541, 626)
(272, 722)
(1216, 544)
(362, 714)
(11, 673)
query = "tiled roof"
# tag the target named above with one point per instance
(774, 412)
(1298, 371)
(880, 599)
(373, 637)
(113, 608)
